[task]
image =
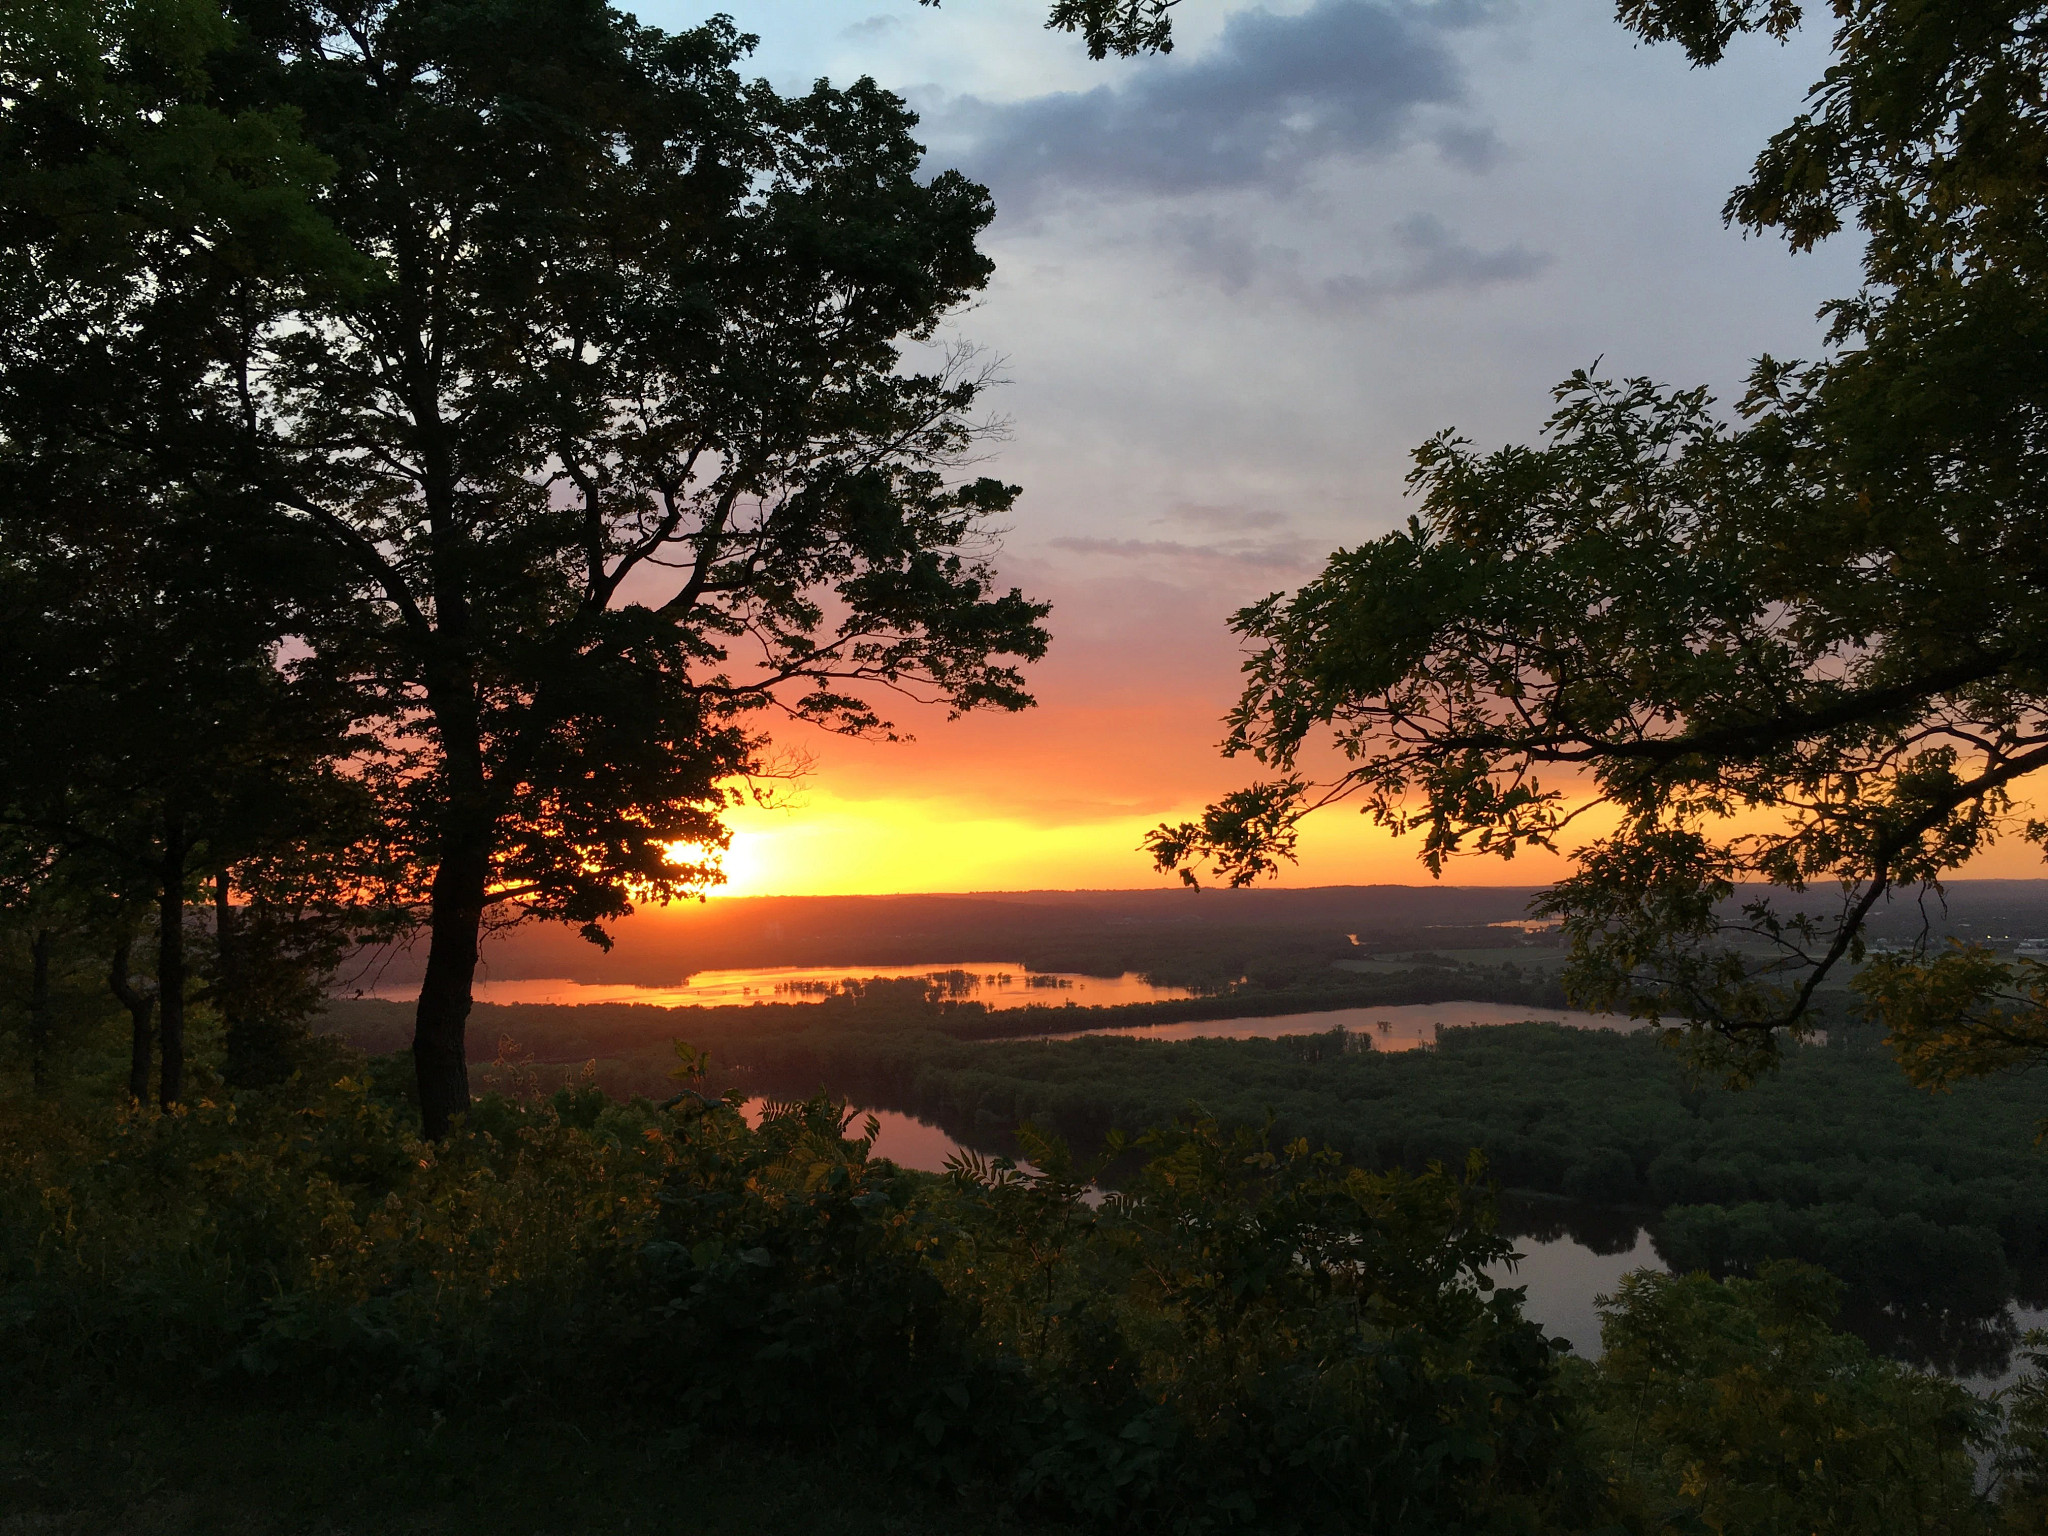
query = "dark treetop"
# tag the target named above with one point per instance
(1798, 650)
(597, 390)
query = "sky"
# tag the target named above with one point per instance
(1235, 287)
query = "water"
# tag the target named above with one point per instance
(1568, 1256)
(1572, 1254)
(998, 983)
(904, 1139)
(1562, 1275)
(1391, 1028)
(1563, 1279)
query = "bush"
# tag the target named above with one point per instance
(1735, 1406)
(1248, 1338)
(1245, 1338)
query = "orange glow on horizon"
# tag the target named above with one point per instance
(842, 847)
(832, 846)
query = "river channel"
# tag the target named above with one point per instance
(999, 984)
(1568, 1255)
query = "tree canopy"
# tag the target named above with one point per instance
(151, 730)
(1794, 655)
(609, 381)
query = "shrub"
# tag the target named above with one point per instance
(1735, 1406)
(1246, 1339)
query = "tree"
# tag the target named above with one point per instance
(148, 730)
(618, 434)
(150, 736)
(583, 357)
(1796, 657)
(1735, 1404)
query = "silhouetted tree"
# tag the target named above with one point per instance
(620, 439)
(148, 732)
(612, 421)
(1802, 650)
(150, 737)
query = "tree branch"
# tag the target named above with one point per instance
(367, 555)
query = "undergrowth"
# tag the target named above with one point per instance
(1245, 1337)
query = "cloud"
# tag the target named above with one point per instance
(1437, 258)
(1424, 256)
(1233, 558)
(1198, 515)
(1274, 95)
(871, 28)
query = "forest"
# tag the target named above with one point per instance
(1927, 1205)
(574, 1305)
(453, 453)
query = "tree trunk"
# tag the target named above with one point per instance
(439, 1053)
(242, 1068)
(226, 1001)
(170, 960)
(39, 1010)
(141, 1010)
(439, 1058)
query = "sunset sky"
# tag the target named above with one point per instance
(1234, 288)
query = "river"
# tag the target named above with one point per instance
(1390, 1027)
(1569, 1255)
(997, 983)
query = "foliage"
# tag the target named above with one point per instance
(151, 734)
(1968, 1011)
(1245, 1335)
(600, 386)
(1930, 1209)
(151, 729)
(1248, 1338)
(1736, 1407)
(1790, 659)
(683, 300)
(258, 1458)
(1276, 1315)
(1920, 1205)
(2023, 1454)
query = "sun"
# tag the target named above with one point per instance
(739, 861)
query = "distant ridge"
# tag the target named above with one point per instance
(662, 946)
(1047, 930)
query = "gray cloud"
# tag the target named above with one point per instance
(871, 28)
(1438, 258)
(1225, 252)
(1272, 97)
(1283, 555)
(1224, 519)
(1427, 257)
